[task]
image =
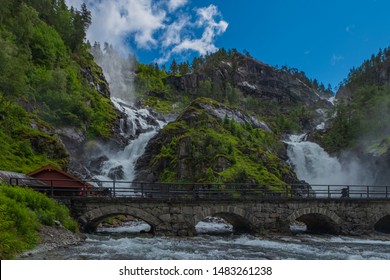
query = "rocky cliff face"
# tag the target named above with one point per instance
(277, 91)
(212, 142)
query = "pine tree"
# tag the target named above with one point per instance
(174, 67)
(184, 68)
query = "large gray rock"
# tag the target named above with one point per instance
(256, 79)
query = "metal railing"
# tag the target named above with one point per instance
(199, 191)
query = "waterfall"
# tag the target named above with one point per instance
(312, 163)
(140, 126)
(315, 166)
(137, 126)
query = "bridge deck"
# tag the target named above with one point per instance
(202, 191)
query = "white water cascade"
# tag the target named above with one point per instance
(124, 160)
(315, 166)
(137, 126)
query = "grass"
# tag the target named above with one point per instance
(22, 213)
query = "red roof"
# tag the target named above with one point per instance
(57, 177)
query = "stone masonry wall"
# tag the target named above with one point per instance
(180, 218)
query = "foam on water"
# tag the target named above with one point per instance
(213, 226)
(136, 226)
(224, 247)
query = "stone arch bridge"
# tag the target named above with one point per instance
(170, 217)
(176, 208)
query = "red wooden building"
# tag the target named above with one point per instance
(59, 182)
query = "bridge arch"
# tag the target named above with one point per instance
(90, 220)
(240, 219)
(381, 222)
(317, 220)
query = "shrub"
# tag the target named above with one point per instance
(22, 212)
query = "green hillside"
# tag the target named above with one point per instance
(362, 121)
(48, 80)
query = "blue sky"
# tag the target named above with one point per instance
(323, 38)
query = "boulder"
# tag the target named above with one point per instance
(116, 173)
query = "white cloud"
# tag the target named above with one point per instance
(114, 21)
(168, 26)
(175, 4)
(206, 19)
(174, 32)
(207, 14)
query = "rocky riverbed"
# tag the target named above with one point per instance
(52, 237)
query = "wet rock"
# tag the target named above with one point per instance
(96, 164)
(96, 80)
(116, 173)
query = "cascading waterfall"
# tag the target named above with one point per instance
(137, 126)
(315, 166)
(120, 164)
(311, 162)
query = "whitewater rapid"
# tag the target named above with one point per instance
(208, 246)
(315, 166)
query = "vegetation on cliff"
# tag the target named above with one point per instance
(284, 97)
(362, 119)
(212, 142)
(48, 79)
(200, 147)
(22, 213)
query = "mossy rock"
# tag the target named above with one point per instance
(204, 146)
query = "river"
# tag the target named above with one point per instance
(216, 242)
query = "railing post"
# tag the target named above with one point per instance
(387, 191)
(142, 190)
(329, 192)
(51, 188)
(113, 187)
(368, 191)
(194, 192)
